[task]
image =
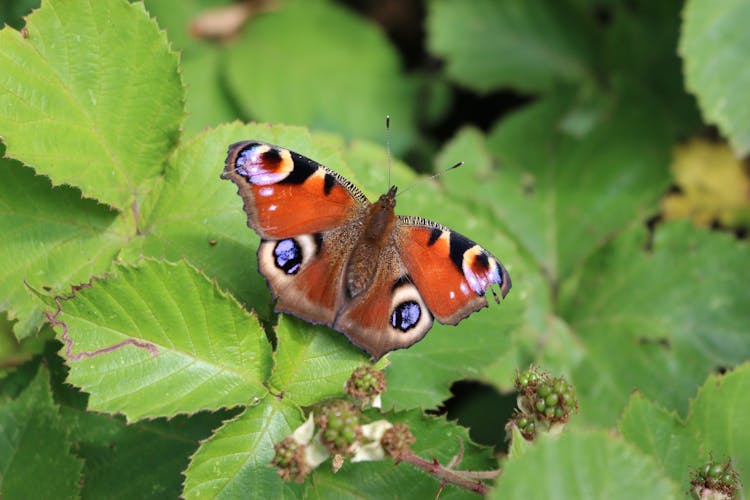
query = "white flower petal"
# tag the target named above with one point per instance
(375, 430)
(303, 434)
(369, 452)
(316, 452)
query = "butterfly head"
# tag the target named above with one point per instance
(388, 199)
(381, 217)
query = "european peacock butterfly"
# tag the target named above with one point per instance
(331, 257)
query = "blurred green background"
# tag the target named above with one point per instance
(450, 74)
(605, 144)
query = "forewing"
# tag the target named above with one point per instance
(451, 272)
(286, 194)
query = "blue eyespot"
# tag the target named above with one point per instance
(406, 315)
(288, 256)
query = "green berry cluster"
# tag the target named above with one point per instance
(526, 425)
(555, 399)
(289, 458)
(714, 476)
(542, 401)
(339, 424)
(528, 379)
(366, 382)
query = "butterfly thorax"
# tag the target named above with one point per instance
(379, 221)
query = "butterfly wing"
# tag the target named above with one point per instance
(287, 194)
(451, 272)
(428, 271)
(300, 209)
(390, 314)
(304, 275)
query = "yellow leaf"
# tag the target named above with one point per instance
(714, 185)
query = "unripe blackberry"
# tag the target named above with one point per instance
(365, 384)
(526, 426)
(397, 441)
(718, 478)
(339, 427)
(544, 403)
(289, 458)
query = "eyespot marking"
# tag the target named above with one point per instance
(272, 156)
(480, 270)
(262, 164)
(406, 315)
(481, 263)
(288, 256)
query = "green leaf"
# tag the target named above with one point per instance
(716, 427)
(344, 79)
(14, 352)
(714, 45)
(582, 466)
(312, 362)
(640, 47)
(421, 376)
(436, 438)
(662, 435)
(207, 103)
(563, 199)
(236, 459)
(141, 460)
(671, 313)
(51, 238)
(720, 417)
(562, 196)
(35, 458)
(199, 217)
(160, 339)
(518, 444)
(530, 46)
(91, 96)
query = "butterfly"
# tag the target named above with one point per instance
(332, 257)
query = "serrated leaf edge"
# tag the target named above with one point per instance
(68, 342)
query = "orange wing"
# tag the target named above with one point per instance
(390, 314)
(304, 275)
(451, 272)
(287, 194)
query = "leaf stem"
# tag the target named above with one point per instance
(464, 479)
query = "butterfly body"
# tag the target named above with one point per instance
(332, 257)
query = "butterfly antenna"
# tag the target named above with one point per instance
(420, 181)
(388, 146)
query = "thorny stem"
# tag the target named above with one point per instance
(464, 479)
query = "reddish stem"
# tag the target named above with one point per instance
(462, 479)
